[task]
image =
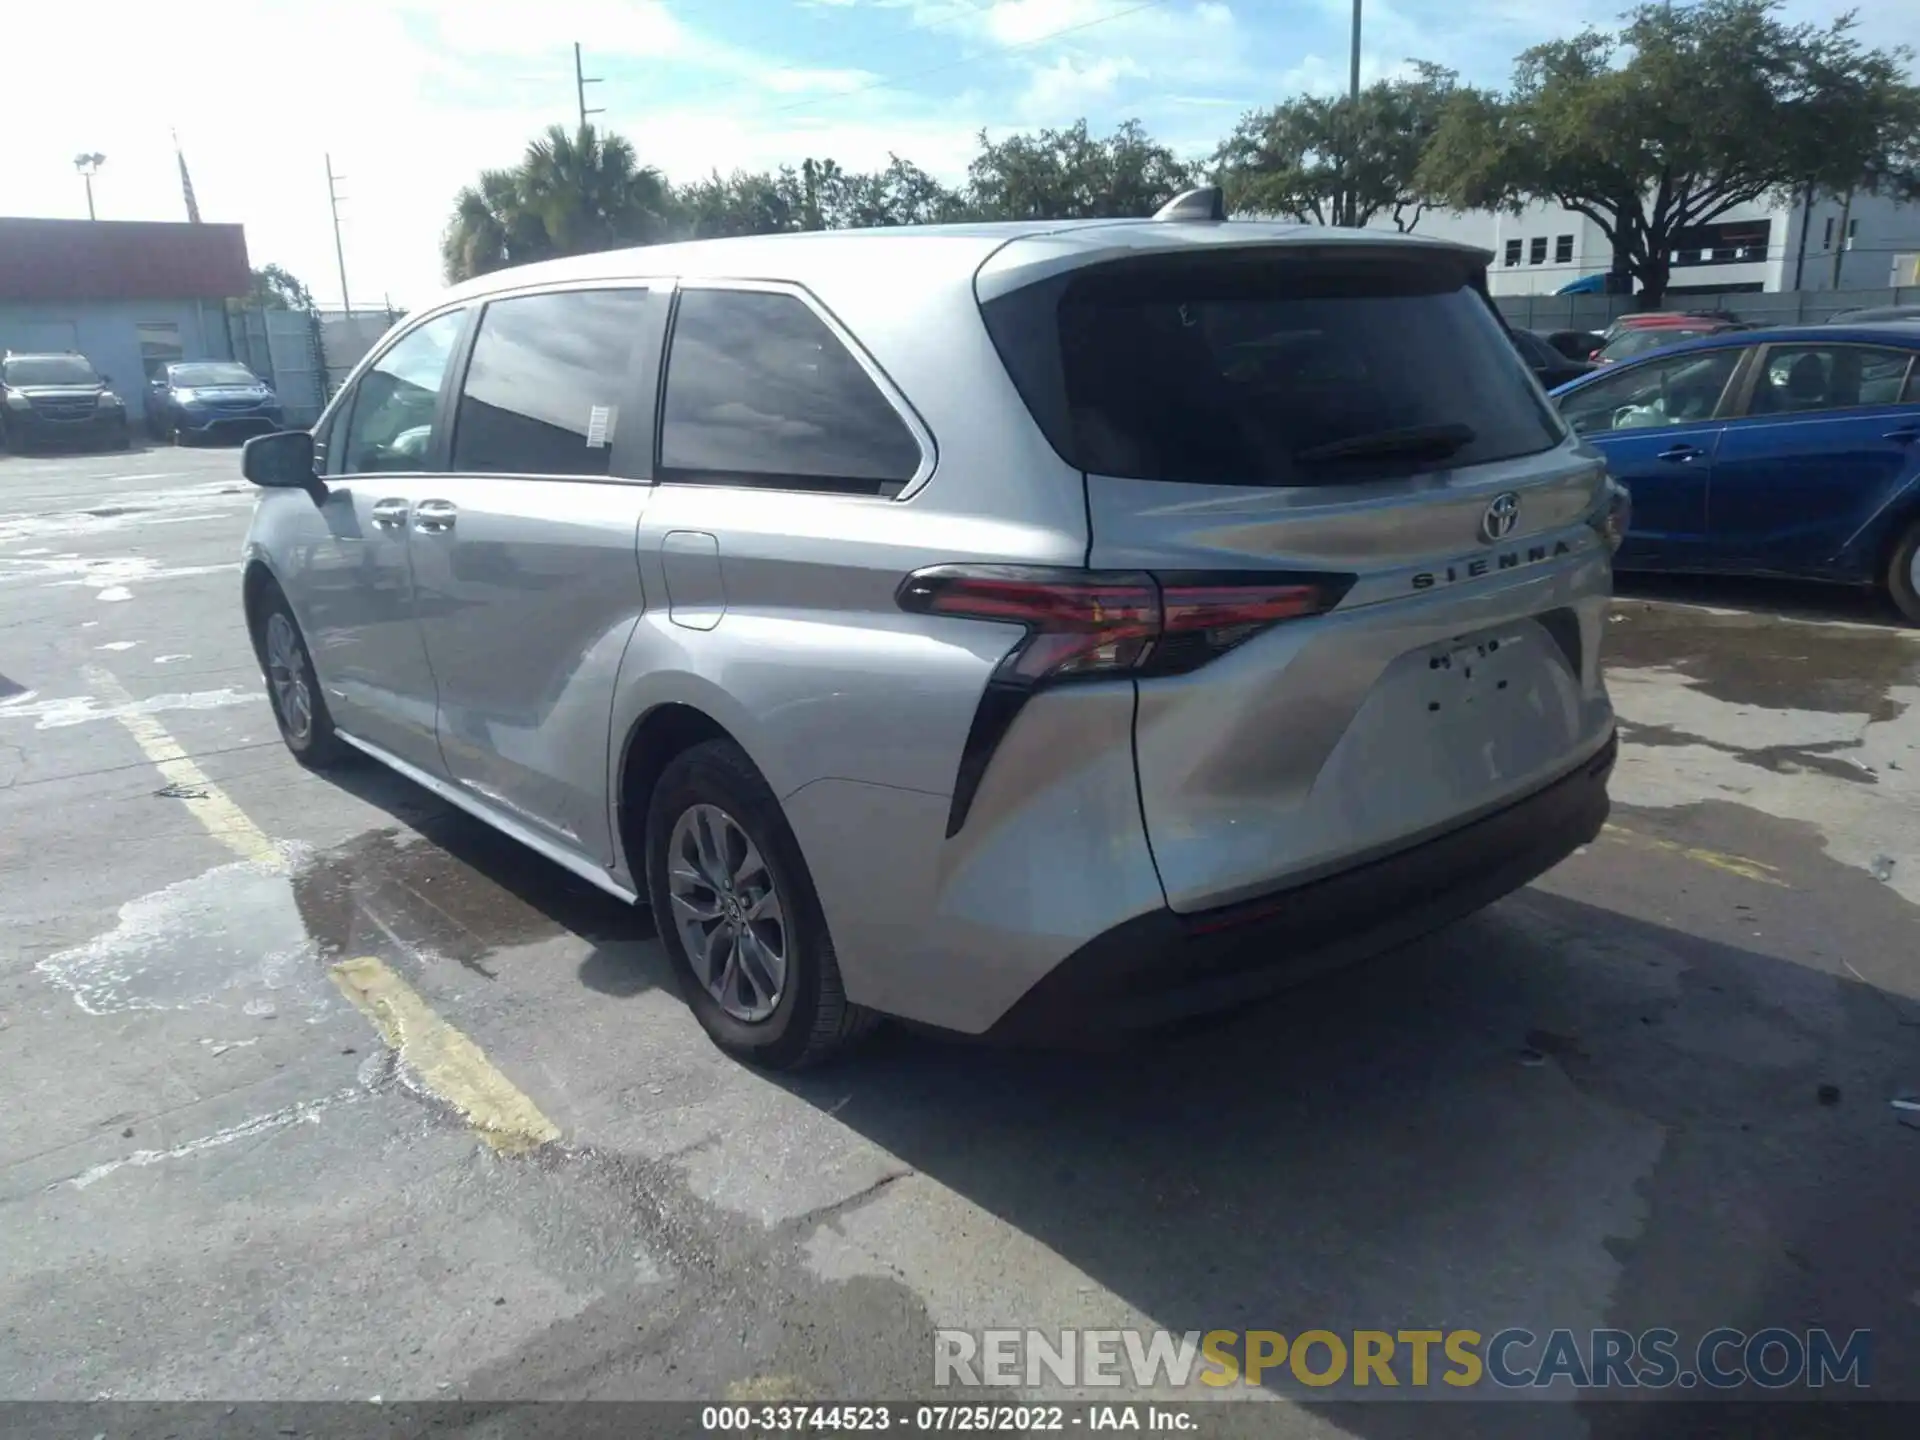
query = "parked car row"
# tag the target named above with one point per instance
(59, 400)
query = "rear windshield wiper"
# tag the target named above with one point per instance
(1437, 441)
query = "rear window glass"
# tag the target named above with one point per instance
(1630, 343)
(1271, 371)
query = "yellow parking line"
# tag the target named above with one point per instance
(207, 803)
(1732, 864)
(450, 1065)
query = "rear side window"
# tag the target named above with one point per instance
(1270, 370)
(546, 383)
(761, 392)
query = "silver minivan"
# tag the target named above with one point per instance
(1028, 630)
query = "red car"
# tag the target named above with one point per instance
(1633, 335)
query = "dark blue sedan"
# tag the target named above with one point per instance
(1768, 452)
(191, 400)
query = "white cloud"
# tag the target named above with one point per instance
(1068, 84)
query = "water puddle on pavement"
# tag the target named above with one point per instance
(1765, 661)
(255, 938)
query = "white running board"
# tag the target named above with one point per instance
(454, 795)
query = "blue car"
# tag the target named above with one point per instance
(190, 400)
(1791, 452)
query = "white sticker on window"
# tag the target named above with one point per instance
(600, 426)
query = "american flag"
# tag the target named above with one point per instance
(186, 182)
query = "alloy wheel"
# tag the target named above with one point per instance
(728, 912)
(287, 675)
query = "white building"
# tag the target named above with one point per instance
(1752, 248)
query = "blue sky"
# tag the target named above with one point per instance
(413, 97)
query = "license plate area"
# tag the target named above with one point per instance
(1471, 673)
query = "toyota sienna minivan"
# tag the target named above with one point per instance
(1028, 630)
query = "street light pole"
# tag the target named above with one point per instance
(89, 166)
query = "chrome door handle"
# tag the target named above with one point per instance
(390, 514)
(434, 515)
(1906, 434)
(1682, 452)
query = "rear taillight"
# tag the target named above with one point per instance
(1092, 622)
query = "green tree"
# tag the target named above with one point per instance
(899, 194)
(743, 203)
(275, 289)
(570, 194)
(1332, 161)
(1676, 119)
(1071, 175)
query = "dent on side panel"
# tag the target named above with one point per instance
(1318, 743)
(1052, 854)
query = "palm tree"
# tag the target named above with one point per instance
(569, 194)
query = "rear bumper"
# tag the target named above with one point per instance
(1163, 966)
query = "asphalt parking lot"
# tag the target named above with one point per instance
(1654, 1089)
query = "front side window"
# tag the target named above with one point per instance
(1659, 393)
(546, 383)
(390, 422)
(1801, 378)
(761, 392)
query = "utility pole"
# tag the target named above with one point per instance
(1353, 71)
(1351, 199)
(580, 82)
(1840, 246)
(1806, 223)
(89, 166)
(339, 255)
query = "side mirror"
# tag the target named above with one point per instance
(105, 379)
(283, 461)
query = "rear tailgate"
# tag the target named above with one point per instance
(1353, 416)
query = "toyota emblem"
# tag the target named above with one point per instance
(1503, 513)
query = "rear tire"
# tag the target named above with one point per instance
(1903, 574)
(293, 690)
(738, 914)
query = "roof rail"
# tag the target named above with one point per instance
(1204, 202)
